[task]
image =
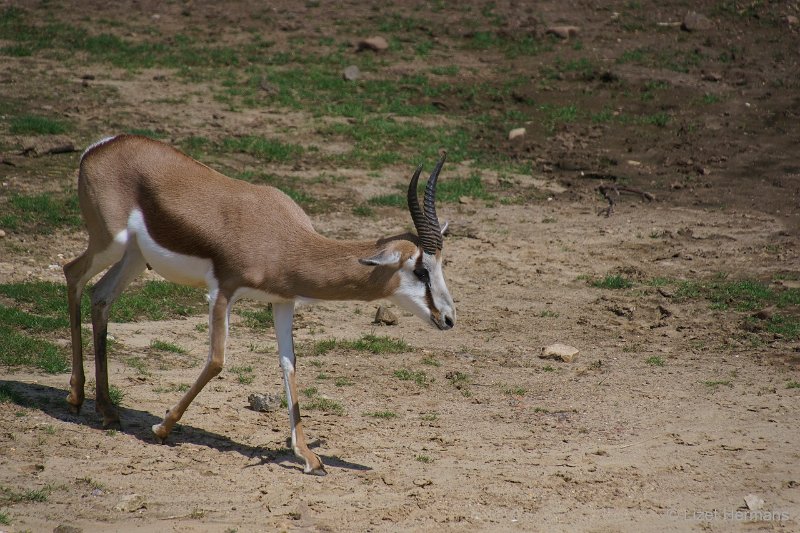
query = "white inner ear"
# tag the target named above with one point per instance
(382, 258)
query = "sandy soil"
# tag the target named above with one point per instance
(607, 442)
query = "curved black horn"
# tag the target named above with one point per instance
(430, 201)
(427, 236)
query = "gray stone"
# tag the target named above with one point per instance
(264, 402)
(351, 73)
(130, 503)
(385, 316)
(516, 132)
(560, 351)
(753, 502)
(66, 528)
(563, 32)
(694, 21)
(374, 44)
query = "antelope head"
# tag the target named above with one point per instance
(422, 289)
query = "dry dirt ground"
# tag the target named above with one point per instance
(674, 411)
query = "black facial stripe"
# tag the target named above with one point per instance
(428, 294)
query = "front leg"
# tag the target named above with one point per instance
(218, 335)
(283, 315)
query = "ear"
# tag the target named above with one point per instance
(382, 258)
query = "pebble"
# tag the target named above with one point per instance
(753, 502)
(694, 21)
(792, 20)
(130, 503)
(564, 352)
(2, 234)
(384, 316)
(66, 528)
(351, 73)
(563, 32)
(375, 44)
(516, 132)
(264, 402)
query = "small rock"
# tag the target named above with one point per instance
(422, 482)
(97, 492)
(375, 44)
(564, 352)
(516, 132)
(65, 528)
(385, 316)
(753, 502)
(666, 293)
(563, 32)
(712, 76)
(351, 73)
(264, 402)
(665, 313)
(465, 200)
(694, 21)
(2, 234)
(792, 20)
(130, 503)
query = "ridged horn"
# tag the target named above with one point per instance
(427, 237)
(429, 204)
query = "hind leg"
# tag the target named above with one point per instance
(104, 294)
(77, 273)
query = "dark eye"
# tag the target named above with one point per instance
(423, 275)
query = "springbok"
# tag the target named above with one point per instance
(147, 205)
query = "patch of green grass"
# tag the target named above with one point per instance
(384, 415)
(513, 390)
(166, 346)
(714, 384)
(429, 417)
(258, 319)
(36, 125)
(8, 495)
(244, 374)
(363, 211)
(451, 190)
(793, 384)
(741, 295)
(40, 213)
(459, 380)
(423, 459)
(154, 300)
(419, 377)
(375, 344)
(5, 518)
(547, 313)
(343, 382)
(20, 349)
(267, 150)
(612, 282)
(655, 361)
(116, 395)
(431, 361)
(663, 57)
(138, 364)
(389, 200)
(548, 368)
(319, 403)
(787, 326)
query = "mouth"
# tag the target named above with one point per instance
(441, 325)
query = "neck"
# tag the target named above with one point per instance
(330, 270)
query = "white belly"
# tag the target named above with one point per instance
(175, 267)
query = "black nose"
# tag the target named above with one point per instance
(448, 322)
